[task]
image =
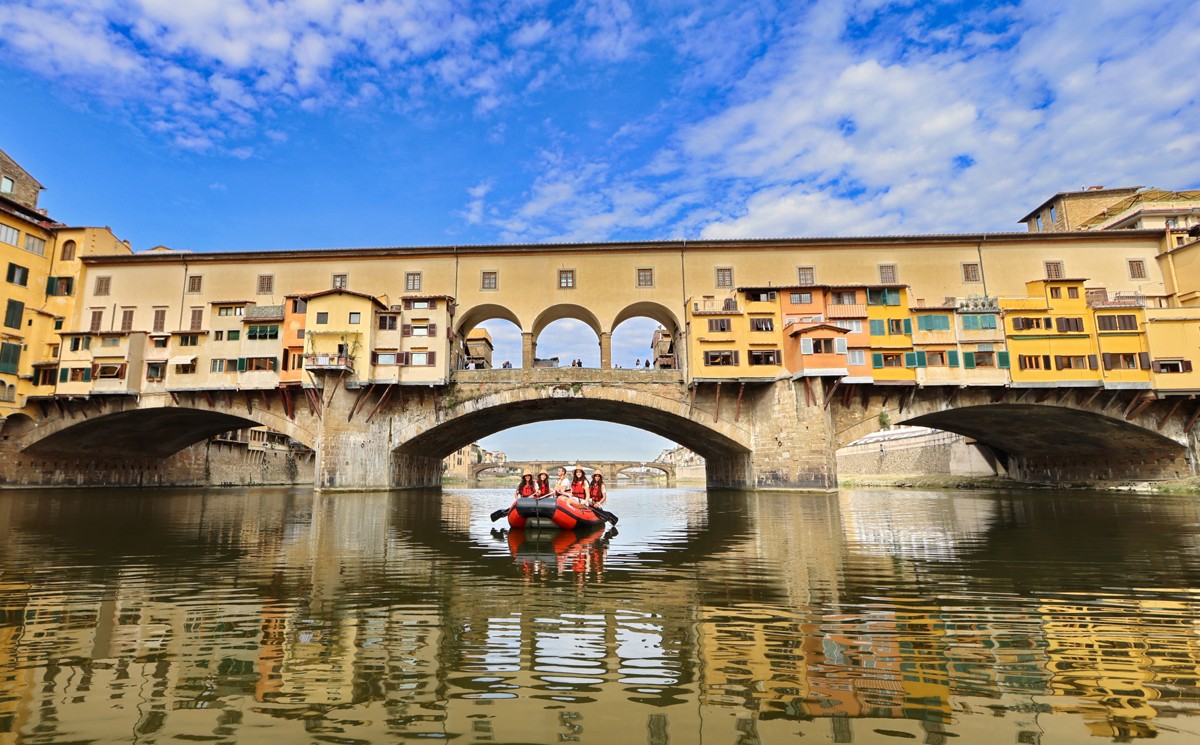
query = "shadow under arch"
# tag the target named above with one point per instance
(479, 421)
(155, 433)
(478, 314)
(647, 309)
(563, 311)
(1035, 430)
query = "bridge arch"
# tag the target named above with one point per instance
(152, 432)
(475, 315)
(647, 309)
(725, 445)
(563, 311)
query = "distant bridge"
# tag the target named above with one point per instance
(610, 469)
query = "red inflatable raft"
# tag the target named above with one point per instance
(551, 512)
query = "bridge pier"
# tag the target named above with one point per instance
(605, 352)
(528, 350)
(352, 454)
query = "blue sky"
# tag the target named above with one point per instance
(217, 125)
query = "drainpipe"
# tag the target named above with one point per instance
(680, 354)
(979, 253)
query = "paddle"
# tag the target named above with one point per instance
(500, 513)
(610, 517)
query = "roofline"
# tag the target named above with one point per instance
(1061, 194)
(846, 242)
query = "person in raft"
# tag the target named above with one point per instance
(597, 494)
(527, 487)
(543, 484)
(579, 487)
(562, 487)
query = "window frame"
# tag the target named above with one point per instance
(644, 277)
(723, 277)
(566, 279)
(265, 284)
(412, 281)
(489, 274)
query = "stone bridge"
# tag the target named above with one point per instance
(610, 469)
(779, 434)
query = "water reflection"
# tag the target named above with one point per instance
(864, 616)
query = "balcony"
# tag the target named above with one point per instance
(715, 305)
(846, 311)
(1119, 300)
(337, 362)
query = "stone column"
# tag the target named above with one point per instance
(605, 350)
(528, 349)
(351, 454)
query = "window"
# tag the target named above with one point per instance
(102, 286)
(341, 281)
(1054, 269)
(422, 329)
(935, 323)
(189, 340)
(899, 326)
(387, 323)
(762, 324)
(155, 371)
(970, 272)
(856, 357)
(935, 359)
(854, 326)
(1171, 366)
(890, 359)
(9, 235)
(231, 310)
(35, 245)
(1073, 293)
(1117, 323)
(10, 358)
(266, 284)
(1023, 323)
(975, 322)
(845, 297)
(268, 331)
(68, 251)
(97, 320)
(322, 317)
(79, 374)
(420, 304)
(110, 371)
(197, 319)
(1033, 361)
(385, 358)
(725, 276)
(60, 286)
(1120, 361)
(761, 296)
(1056, 293)
(261, 363)
(217, 366)
(234, 335)
(355, 318)
(1137, 269)
(801, 298)
(127, 319)
(195, 283)
(412, 281)
(489, 280)
(806, 275)
(18, 275)
(110, 341)
(417, 359)
(1068, 325)
(80, 342)
(299, 305)
(187, 368)
(566, 279)
(6, 185)
(721, 358)
(160, 342)
(218, 336)
(883, 297)
(645, 277)
(719, 325)
(985, 359)
(823, 346)
(764, 357)
(887, 274)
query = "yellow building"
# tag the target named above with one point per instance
(893, 359)
(735, 337)
(1121, 339)
(1052, 335)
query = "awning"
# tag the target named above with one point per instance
(183, 359)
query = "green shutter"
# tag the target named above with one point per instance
(1001, 359)
(924, 323)
(274, 363)
(14, 313)
(62, 374)
(878, 328)
(989, 321)
(952, 358)
(969, 360)
(945, 323)
(10, 358)
(910, 359)
(970, 323)
(877, 360)
(922, 359)
(51, 286)
(908, 326)
(87, 374)
(241, 364)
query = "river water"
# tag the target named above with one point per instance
(873, 616)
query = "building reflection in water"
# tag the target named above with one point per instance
(707, 618)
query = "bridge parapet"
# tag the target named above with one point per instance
(552, 375)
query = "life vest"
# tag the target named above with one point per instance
(578, 489)
(595, 492)
(528, 490)
(543, 488)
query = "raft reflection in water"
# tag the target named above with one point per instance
(538, 552)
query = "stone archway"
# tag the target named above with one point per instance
(565, 311)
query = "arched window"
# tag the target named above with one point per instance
(68, 251)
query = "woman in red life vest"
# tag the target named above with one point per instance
(597, 494)
(579, 486)
(543, 484)
(527, 488)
